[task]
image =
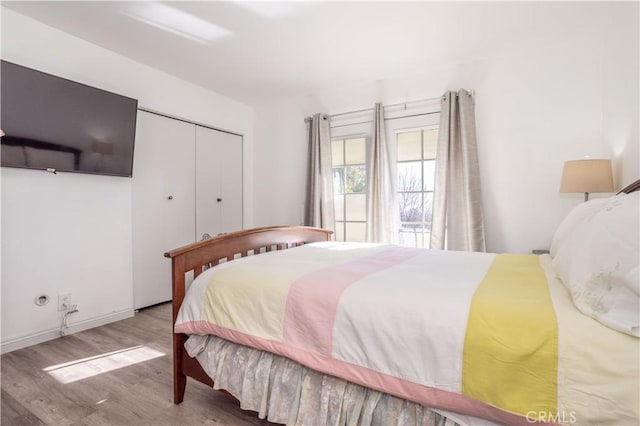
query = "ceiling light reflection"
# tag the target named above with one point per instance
(175, 21)
(266, 9)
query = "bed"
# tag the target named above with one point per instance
(492, 338)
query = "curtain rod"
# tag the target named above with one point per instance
(384, 106)
(308, 119)
(324, 117)
(386, 119)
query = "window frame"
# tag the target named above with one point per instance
(360, 125)
(344, 194)
(423, 191)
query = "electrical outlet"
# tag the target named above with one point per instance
(64, 301)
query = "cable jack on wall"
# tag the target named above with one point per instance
(71, 309)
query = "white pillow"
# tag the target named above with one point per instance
(574, 218)
(596, 256)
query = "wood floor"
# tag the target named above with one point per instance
(139, 394)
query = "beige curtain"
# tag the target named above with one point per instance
(382, 208)
(457, 222)
(319, 209)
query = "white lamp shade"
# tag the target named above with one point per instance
(588, 175)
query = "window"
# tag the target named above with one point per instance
(412, 137)
(349, 187)
(416, 161)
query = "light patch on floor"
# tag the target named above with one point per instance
(80, 369)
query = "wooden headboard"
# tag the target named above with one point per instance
(635, 186)
(198, 256)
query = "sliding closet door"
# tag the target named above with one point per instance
(218, 182)
(163, 202)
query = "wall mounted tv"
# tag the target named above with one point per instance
(55, 124)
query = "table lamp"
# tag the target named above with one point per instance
(587, 175)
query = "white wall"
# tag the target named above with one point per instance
(538, 105)
(280, 165)
(621, 88)
(71, 233)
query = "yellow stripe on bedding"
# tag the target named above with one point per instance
(510, 356)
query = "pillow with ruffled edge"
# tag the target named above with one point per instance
(598, 261)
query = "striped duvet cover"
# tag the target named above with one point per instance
(494, 336)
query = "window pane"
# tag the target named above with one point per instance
(338, 180)
(355, 207)
(338, 202)
(415, 184)
(339, 235)
(429, 174)
(426, 238)
(410, 206)
(337, 154)
(430, 143)
(355, 232)
(356, 179)
(411, 235)
(428, 209)
(409, 146)
(409, 176)
(355, 151)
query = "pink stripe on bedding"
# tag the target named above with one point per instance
(313, 298)
(428, 396)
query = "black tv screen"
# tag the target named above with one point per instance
(55, 124)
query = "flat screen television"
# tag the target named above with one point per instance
(51, 123)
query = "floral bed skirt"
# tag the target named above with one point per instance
(283, 391)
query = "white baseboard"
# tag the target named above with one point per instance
(34, 339)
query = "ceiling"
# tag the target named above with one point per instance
(257, 52)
